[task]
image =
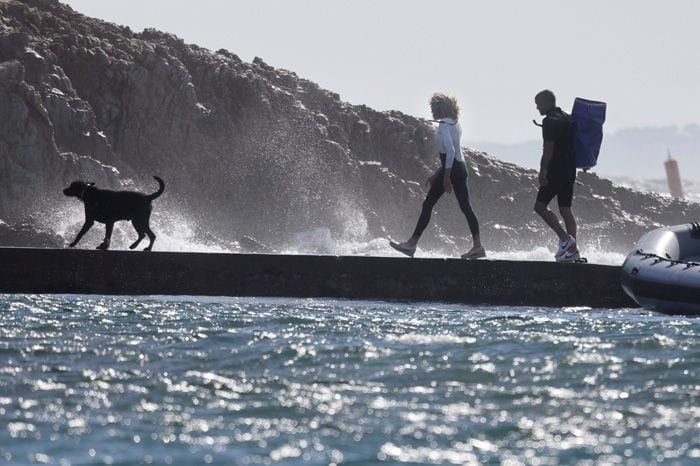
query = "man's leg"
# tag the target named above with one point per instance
(550, 219)
(569, 220)
(565, 198)
(544, 197)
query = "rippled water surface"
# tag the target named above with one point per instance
(112, 380)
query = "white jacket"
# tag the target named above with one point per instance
(447, 138)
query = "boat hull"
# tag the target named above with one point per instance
(663, 271)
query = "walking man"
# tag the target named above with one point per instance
(557, 175)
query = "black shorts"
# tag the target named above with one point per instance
(562, 190)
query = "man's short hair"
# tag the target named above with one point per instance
(546, 96)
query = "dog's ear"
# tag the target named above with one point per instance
(90, 183)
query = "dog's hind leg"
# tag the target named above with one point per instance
(139, 230)
(142, 228)
(86, 226)
(151, 236)
(138, 240)
(108, 236)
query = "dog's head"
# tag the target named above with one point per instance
(77, 189)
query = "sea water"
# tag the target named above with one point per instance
(185, 380)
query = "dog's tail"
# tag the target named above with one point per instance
(160, 189)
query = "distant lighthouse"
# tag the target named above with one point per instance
(673, 176)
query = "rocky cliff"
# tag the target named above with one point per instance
(246, 150)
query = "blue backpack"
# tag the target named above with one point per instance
(587, 118)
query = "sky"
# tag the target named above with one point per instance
(639, 56)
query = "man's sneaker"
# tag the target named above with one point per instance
(572, 256)
(474, 254)
(404, 248)
(565, 246)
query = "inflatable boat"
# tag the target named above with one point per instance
(663, 271)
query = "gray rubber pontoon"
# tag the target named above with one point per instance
(663, 271)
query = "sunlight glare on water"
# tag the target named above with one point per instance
(154, 380)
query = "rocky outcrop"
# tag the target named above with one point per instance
(246, 150)
(27, 232)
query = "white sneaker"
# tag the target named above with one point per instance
(569, 256)
(404, 248)
(565, 246)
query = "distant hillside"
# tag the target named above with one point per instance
(691, 189)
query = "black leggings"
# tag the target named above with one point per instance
(458, 178)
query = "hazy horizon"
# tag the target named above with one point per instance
(637, 153)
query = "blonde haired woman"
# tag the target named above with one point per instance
(451, 174)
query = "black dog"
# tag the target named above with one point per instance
(107, 207)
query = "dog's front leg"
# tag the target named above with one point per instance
(86, 226)
(108, 236)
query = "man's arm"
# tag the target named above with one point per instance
(547, 153)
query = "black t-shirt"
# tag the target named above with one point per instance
(556, 127)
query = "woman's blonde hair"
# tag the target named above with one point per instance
(444, 106)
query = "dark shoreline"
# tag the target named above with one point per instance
(490, 282)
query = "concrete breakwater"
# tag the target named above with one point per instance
(495, 282)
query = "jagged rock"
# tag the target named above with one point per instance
(36, 66)
(32, 169)
(246, 149)
(11, 73)
(13, 45)
(28, 233)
